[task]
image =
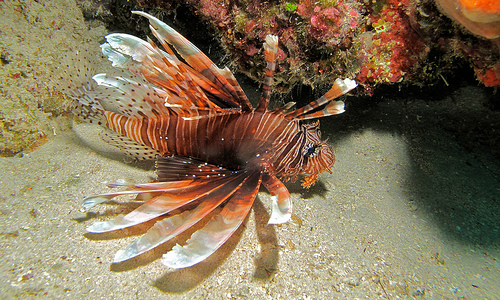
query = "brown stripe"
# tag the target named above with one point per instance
(179, 136)
(170, 132)
(240, 126)
(122, 122)
(144, 132)
(162, 133)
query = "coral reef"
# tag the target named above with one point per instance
(377, 42)
(392, 48)
(316, 38)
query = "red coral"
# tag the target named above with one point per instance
(394, 47)
(488, 76)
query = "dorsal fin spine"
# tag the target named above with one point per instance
(270, 51)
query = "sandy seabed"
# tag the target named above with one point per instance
(407, 213)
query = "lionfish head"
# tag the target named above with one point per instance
(317, 155)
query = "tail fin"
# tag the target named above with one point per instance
(73, 79)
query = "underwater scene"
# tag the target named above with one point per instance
(254, 149)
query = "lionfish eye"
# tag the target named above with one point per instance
(312, 150)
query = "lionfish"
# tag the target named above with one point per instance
(212, 148)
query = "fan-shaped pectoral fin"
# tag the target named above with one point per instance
(282, 201)
(170, 199)
(207, 240)
(154, 187)
(168, 228)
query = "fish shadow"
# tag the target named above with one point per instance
(451, 140)
(266, 263)
(182, 280)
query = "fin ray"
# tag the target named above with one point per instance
(270, 53)
(168, 228)
(223, 78)
(160, 205)
(339, 88)
(207, 240)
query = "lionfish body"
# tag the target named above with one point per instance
(213, 149)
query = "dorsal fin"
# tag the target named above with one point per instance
(270, 52)
(172, 78)
(128, 95)
(222, 78)
(339, 88)
(284, 108)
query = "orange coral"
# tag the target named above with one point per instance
(484, 11)
(488, 77)
(481, 17)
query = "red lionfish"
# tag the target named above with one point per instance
(212, 148)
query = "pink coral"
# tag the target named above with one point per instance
(330, 21)
(216, 9)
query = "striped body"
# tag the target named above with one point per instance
(266, 141)
(213, 150)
